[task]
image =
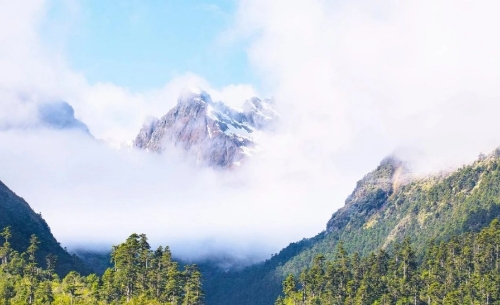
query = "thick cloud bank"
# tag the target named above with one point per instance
(93, 196)
(369, 77)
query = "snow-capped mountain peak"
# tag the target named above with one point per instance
(214, 133)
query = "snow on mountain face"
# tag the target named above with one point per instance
(214, 133)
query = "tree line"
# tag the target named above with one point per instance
(139, 276)
(463, 270)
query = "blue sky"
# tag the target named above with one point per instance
(141, 45)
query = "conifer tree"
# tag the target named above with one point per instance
(5, 250)
(192, 290)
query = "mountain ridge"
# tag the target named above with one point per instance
(17, 214)
(387, 205)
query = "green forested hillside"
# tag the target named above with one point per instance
(436, 207)
(24, 222)
(386, 206)
(463, 270)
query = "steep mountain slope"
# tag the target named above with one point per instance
(23, 222)
(386, 205)
(215, 134)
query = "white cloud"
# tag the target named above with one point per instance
(234, 95)
(91, 194)
(366, 77)
(115, 114)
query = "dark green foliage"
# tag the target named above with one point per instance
(97, 261)
(464, 270)
(253, 284)
(24, 222)
(138, 276)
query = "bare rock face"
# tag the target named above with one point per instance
(370, 194)
(214, 133)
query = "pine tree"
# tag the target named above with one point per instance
(5, 250)
(126, 259)
(193, 294)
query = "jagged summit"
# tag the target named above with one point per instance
(371, 192)
(214, 133)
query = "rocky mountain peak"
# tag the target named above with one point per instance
(215, 134)
(371, 192)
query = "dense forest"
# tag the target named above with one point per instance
(139, 276)
(463, 270)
